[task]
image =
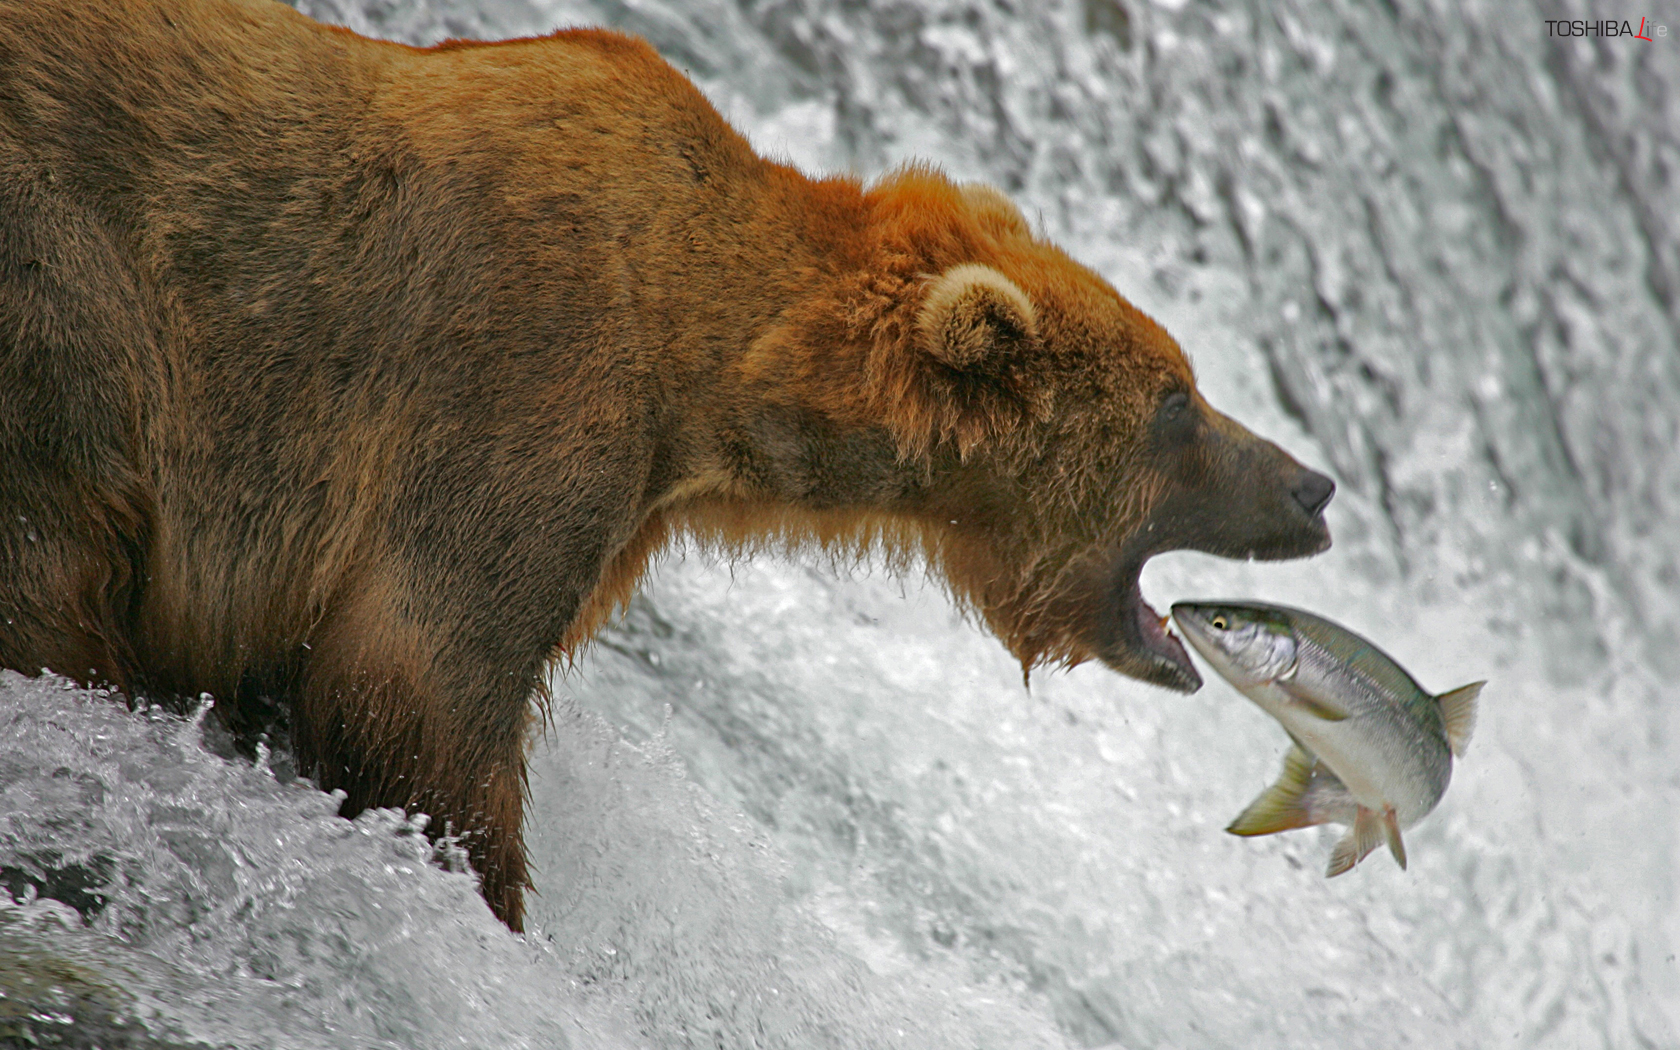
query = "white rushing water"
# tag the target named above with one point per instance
(783, 804)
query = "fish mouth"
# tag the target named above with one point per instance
(1137, 642)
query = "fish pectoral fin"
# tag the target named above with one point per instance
(1316, 704)
(1391, 832)
(1365, 836)
(1458, 711)
(1283, 805)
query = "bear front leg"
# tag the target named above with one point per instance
(394, 719)
(382, 748)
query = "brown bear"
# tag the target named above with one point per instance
(364, 380)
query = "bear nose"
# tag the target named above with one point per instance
(1313, 491)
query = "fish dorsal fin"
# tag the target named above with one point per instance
(1458, 711)
(1281, 806)
(1365, 836)
(1317, 704)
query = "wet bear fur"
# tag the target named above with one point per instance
(362, 381)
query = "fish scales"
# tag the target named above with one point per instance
(1366, 665)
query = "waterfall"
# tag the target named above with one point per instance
(1430, 249)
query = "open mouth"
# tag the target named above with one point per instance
(1134, 637)
(1165, 659)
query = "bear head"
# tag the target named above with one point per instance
(1042, 438)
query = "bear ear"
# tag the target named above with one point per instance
(975, 372)
(997, 213)
(974, 319)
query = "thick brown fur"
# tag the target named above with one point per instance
(366, 380)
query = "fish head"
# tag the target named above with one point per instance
(1247, 645)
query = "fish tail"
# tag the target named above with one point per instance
(1458, 711)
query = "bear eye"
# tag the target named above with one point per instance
(1175, 419)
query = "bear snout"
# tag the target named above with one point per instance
(1312, 492)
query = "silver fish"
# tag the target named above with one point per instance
(1373, 749)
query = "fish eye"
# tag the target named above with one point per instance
(1219, 622)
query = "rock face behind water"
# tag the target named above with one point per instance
(64, 988)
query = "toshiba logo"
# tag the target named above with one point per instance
(1605, 27)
